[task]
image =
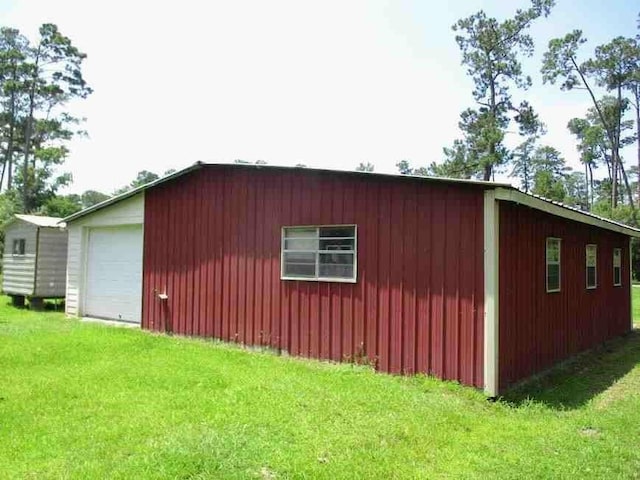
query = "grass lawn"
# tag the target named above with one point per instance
(635, 304)
(81, 400)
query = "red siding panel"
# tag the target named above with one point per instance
(212, 242)
(538, 329)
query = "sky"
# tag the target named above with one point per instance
(327, 84)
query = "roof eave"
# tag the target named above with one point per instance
(564, 211)
(129, 194)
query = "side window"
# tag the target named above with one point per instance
(321, 253)
(617, 267)
(591, 255)
(553, 264)
(19, 246)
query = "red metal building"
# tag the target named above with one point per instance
(416, 275)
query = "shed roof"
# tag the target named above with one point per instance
(41, 220)
(504, 192)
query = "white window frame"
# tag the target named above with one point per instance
(595, 267)
(354, 279)
(548, 262)
(19, 242)
(619, 267)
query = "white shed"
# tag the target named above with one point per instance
(104, 272)
(34, 262)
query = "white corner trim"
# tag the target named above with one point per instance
(630, 284)
(491, 292)
(569, 213)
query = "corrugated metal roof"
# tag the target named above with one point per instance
(577, 210)
(479, 183)
(41, 220)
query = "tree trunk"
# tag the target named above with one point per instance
(607, 160)
(637, 106)
(488, 169)
(591, 185)
(25, 166)
(614, 180)
(615, 150)
(8, 160)
(586, 182)
(608, 129)
(629, 194)
(27, 137)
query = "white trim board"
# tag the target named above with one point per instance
(491, 293)
(631, 285)
(558, 210)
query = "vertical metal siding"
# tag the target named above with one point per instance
(212, 243)
(538, 329)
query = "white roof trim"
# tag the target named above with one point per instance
(41, 220)
(559, 210)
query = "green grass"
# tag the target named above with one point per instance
(82, 400)
(635, 305)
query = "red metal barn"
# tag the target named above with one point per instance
(469, 281)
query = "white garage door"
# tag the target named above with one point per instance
(113, 283)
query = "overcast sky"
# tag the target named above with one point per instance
(326, 83)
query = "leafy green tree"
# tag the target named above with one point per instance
(405, 168)
(548, 186)
(13, 48)
(523, 163)
(37, 83)
(492, 52)
(9, 206)
(365, 167)
(592, 143)
(576, 192)
(612, 67)
(142, 178)
(459, 162)
(549, 171)
(89, 198)
(62, 206)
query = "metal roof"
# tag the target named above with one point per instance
(41, 220)
(199, 165)
(518, 195)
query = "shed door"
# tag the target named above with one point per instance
(113, 281)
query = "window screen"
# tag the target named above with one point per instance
(553, 264)
(592, 262)
(319, 253)
(617, 267)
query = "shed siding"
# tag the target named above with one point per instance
(52, 263)
(126, 212)
(538, 329)
(212, 243)
(19, 270)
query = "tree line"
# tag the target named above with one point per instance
(39, 79)
(609, 78)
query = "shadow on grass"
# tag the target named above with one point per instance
(574, 382)
(49, 305)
